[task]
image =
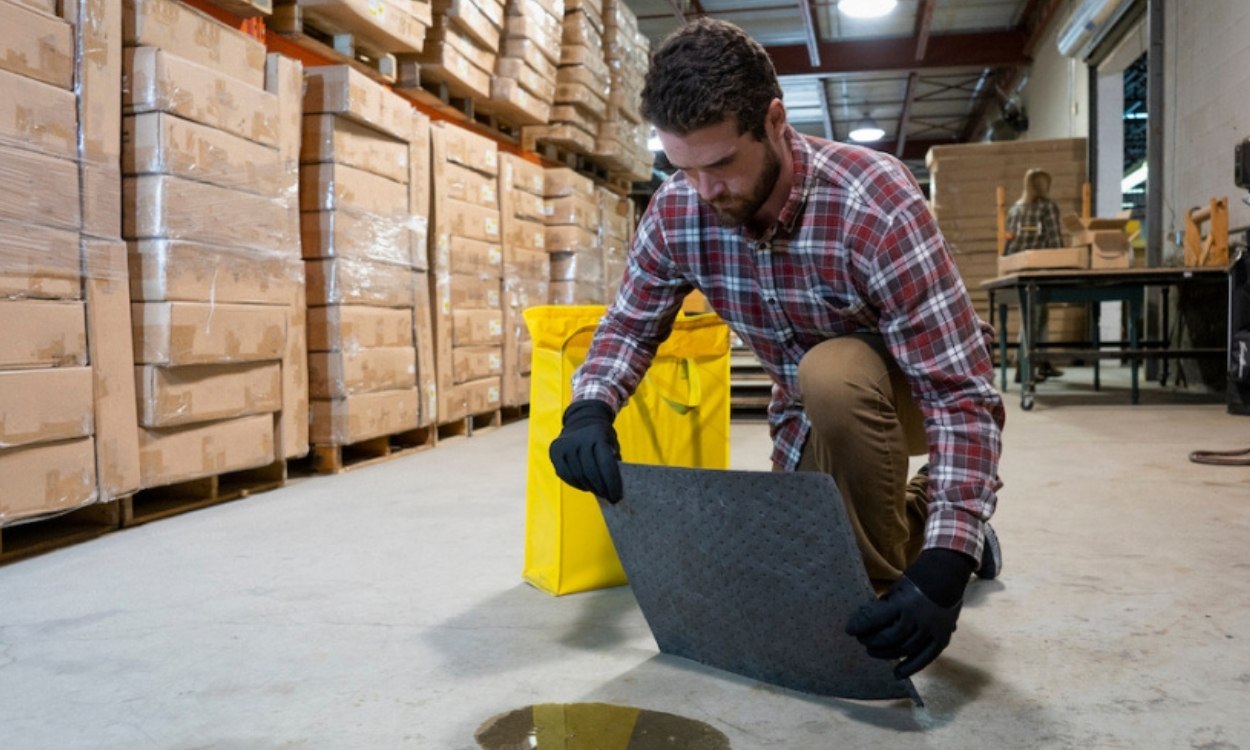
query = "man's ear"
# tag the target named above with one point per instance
(776, 117)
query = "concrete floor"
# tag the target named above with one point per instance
(383, 608)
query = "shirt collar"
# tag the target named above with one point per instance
(792, 209)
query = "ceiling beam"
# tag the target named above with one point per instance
(908, 98)
(924, 22)
(809, 28)
(830, 134)
(678, 11)
(974, 50)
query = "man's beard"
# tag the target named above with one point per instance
(736, 210)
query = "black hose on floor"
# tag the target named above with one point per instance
(1221, 458)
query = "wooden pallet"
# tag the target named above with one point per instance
(510, 414)
(340, 45)
(436, 95)
(24, 540)
(161, 502)
(471, 425)
(335, 459)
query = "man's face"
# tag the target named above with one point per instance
(733, 173)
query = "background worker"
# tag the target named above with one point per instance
(1033, 224)
(826, 261)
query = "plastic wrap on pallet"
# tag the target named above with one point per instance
(363, 416)
(467, 185)
(36, 45)
(541, 60)
(180, 454)
(572, 210)
(464, 147)
(334, 138)
(349, 234)
(163, 206)
(584, 265)
(341, 89)
(176, 396)
(165, 270)
(474, 256)
(342, 374)
(527, 265)
(352, 328)
(578, 293)
(569, 238)
(476, 290)
(191, 34)
(560, 182)
(47, 478)
(542, 29)
(341, 281)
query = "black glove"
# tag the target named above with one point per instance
(915, 619)
(586, 454)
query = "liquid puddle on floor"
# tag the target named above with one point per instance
(596, 726)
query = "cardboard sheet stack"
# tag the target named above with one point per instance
(526, 268)
(461, 46)
(964, 182)
(524, 85)
(211, 140)
(616, 230)
(621, 144)
(365, 201)
(467, 266)
(573, 240)
(67, 421)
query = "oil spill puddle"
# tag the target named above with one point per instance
(596, 726)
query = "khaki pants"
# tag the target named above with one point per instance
(865, 425)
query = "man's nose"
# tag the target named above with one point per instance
(709, 187)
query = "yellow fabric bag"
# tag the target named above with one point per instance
(679, 416)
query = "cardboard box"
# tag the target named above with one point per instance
(453, 60)
(423, 336)
(514, 104)
(474, 397)
(616, 212)
(46, 7)
(332, 138)
(584, 266)
(341, 281)
(291, 424)
(561, 182)
(338, 89)
(527, 264)
(166, 207)
(527, 206)
(37, 116)
(542, 60)
(568, 238)
(471, 18)
(181, 454)
(160, 143)
(46, 478)
(363, 416)
(552, 10)
(334, 375)
(327, 187)
(419, 200)
(572, 210)
(43, 406)
(1048, 258)
(99, 41)
(466, 185)
(194, 36)
(42, 334)
(520, 174)
(284, 78)
(483, 259)
(476, 362)
(455, 144)
(476, 327)
(388, 24)
(111, 347)
(525, 234)
(1111, 254)
(543, 31)
(467, 220)
(527, 77)
(441, 322)
(471, 291)
(172, 396)
(38, 262)
(178, 271)
(351, 328)
(352, 235)
(578, 293)
(36, 45)
(156, 80)
(194, 333)
(45, 181)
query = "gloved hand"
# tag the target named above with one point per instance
(586, 454)
(915, 619)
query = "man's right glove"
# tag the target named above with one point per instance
(587, 455)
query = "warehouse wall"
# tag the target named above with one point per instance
(1207, 70)
(1057, 93)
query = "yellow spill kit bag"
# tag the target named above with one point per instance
(679, 416)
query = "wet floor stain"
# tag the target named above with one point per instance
(596, 726)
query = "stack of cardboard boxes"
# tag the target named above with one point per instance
(965, 179)
(365, 202)
(526, 268)
(210, 158)
(461, 46)
(573, 240)
(524, 85)
(467, 272)
(581, 81)
(622, 141)
(67, 429)
(616, 230)
(376, 26)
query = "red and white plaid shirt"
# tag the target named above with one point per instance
(855, 249)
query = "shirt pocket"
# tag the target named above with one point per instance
(833, 311)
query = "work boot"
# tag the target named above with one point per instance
(1047, 370)
(991, 556)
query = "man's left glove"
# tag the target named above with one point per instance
(915, 619)
(586, 454)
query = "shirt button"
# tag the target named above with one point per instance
(771, 300)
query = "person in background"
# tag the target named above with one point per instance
(825, 259)
(1032, 224)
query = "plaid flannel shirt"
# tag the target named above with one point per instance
(1033, 225)
(855, 249)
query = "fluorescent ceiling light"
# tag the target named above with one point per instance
(866, 131)
(653, 142)
(1133, 179)
(866, 8)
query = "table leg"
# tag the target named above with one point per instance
(1028, 321)
(1134, 314)
(1002, 345)
(1163, 376)
(1095, 335)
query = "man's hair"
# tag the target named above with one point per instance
(705, 72)
(1036, 186)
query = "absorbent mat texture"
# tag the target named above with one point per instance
(755, 573)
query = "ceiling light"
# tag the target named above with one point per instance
(866, 131)
(866, 8)
(1134, 178)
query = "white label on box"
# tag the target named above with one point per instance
(496, 328)
(496, 255)
(492, 395)
(492, 298)
(495, 361)
(491, 226)
(488, 193)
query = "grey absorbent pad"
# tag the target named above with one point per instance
(755, 573)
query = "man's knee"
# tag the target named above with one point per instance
(841, 373)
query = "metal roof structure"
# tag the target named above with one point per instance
(928, 72)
